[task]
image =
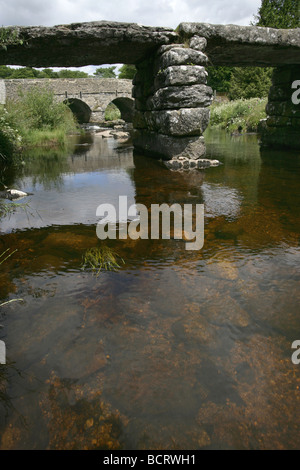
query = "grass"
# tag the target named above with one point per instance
(238, 116)
(112, 113)
(34, 119)
(7, 255)
(98, 258)
(7, 208)
(45, 137)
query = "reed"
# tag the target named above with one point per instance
(101, 258)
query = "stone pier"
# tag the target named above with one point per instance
(172, 103)
(281, 128)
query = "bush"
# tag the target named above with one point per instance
(249, 82)
(39, 118)
(112, 113)
(240, 115)
(37, 109)
(10, 138)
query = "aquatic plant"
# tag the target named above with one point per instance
(7, 208)
(7, 256)
(103, 257)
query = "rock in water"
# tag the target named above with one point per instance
(13, 194)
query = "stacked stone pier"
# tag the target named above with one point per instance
(172, 102)
(282, 126)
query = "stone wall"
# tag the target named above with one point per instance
(283, 122)
(172, 104)
(2, 92)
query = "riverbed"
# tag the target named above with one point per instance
(175, 349)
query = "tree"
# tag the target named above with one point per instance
(66, 73)
(219, 78)
(48, 73)
(24, 72)
(278, 14)
(5, 72)
(250, 82)
(105, 72)
(127, 71)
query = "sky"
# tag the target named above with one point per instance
(146, 12)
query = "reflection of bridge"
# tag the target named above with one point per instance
(88, 98)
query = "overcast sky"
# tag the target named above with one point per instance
(146, 12)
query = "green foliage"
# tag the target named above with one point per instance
(48, 73)
(10, 137)
(219, 78)
(5, 72)
(24, 72)
(127, 71)
(30, 72)
(112, 113)
(279, 14)
(250, 82)
(240, 115)
(33, 119)
(37, 109)
(66, 73)
(9, 37)
(105, 72)
(98, 258)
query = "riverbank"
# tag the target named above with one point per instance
(239, 115)
(35, 120)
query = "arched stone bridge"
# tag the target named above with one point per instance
(172, 98)
(88, 98)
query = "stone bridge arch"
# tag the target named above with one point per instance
(80, 109)
(125, 106)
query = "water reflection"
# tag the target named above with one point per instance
(68, 188)
(178, 349)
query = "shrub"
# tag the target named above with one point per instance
(249, 82)
(112, 113)
(241, 115)
(10, 138)
(33, 119)
(37, 109)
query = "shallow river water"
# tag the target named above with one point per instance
(177, 349)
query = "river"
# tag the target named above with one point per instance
(176, 349)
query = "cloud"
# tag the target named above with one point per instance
(155, 13)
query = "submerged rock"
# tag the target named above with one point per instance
(187, 164)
